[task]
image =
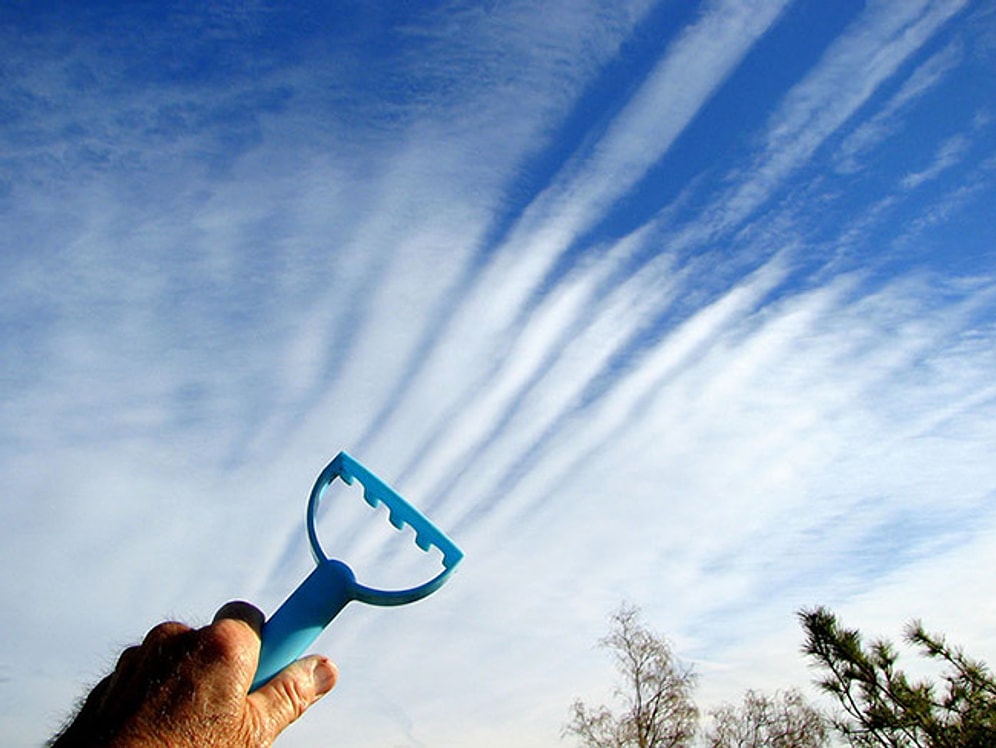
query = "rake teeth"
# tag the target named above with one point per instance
(399, 511)
(395, 519)
(371, 499)
(422, 541)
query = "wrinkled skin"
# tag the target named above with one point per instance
(184, 687)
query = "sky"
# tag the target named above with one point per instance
(690, 305)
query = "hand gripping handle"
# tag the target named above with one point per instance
(302, 617)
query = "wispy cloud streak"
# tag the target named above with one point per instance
(848, 74)
(579, 197)
(441, 238)
(872, 132)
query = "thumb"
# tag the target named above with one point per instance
(290, 692)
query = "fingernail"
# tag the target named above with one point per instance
(242, 611)
(325, 675)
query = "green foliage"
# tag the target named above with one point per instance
(880, 705)
(884, 707)
(654, 693)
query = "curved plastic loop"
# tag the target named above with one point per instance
(400, 513)
(331, 585)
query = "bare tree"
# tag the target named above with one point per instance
(784, 720)
(654, 693)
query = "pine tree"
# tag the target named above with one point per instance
(883, 707)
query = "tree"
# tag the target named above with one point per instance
(655, 693)
(882, 706)
(784, 720)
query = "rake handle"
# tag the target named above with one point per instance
(302, 616)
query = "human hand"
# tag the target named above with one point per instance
(187, 688)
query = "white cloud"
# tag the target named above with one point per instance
(869, 134)
(949, 153)
(852, 69)
(650, 422)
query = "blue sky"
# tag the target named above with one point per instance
(686, 304)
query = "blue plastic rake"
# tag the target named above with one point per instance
(327, 590)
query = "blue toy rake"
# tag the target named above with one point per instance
(327, 590)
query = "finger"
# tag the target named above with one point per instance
(128, 665)
(95, 700)
(139, 669)
(128, 659)
(233, 644)
(163, 634)
(158, 653)
(160, 649)
(242, 611)
(291, 691)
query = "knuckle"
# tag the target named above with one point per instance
(294, 696)
(228, 644)
(220, 641)
(128, 659)
(286, 699)
(165, 632)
